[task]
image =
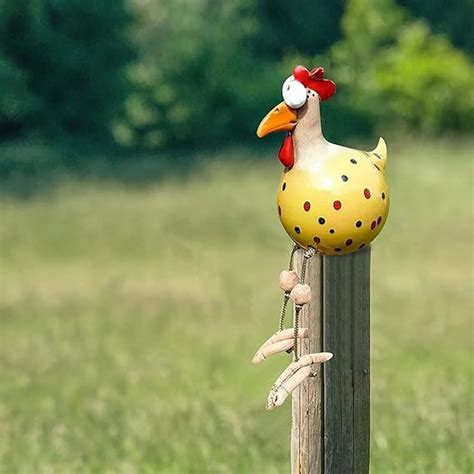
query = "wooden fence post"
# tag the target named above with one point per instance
(306, 435)
(331, 411)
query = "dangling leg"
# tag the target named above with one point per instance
(300, 295)
(283, 339)
(288, 280)
(301, 367)
(292, 376)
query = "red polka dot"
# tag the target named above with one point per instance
(372, 226)
(337, 205)
(367, 193)
(349, 242)
(279, 210)
(379, 220)
(317, 239)
(307, 206)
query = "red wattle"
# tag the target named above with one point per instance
(286, 154)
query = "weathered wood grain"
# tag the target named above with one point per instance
(361, 359)
(306, 436)
(346, 381)
(331, 412)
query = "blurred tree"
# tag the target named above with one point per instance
(67, 60)
(454, 19)
(308, 28)
(425, 83)
(396, 72)
(17, 103)
(207, 68)
(196, 81)
(204, 70)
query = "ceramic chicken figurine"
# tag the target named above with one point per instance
(332, 200)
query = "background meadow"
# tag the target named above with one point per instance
(140, 247)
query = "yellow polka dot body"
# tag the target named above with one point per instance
(337, 205)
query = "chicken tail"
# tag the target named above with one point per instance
(379, 154)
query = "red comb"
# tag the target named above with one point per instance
(314, 79)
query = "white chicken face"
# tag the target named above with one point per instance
(294, 93)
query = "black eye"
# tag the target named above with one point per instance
(288, 87)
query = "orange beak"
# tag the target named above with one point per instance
(279, 119)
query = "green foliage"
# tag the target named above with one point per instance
(205, 72)
(67, 59)
(196, 82)
(426, 83)
(302, 27)
(209, 70)
(397, 73)
(453, 19)
(17, 103)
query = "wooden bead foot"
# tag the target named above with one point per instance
(292, 376)
(281, 341)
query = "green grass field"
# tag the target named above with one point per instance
(130, 313)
